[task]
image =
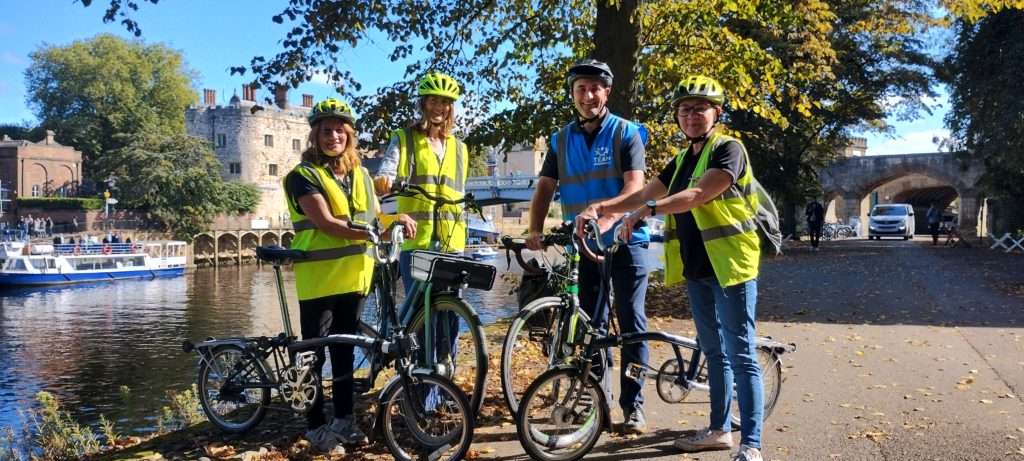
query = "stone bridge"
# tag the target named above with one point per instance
(851, 180)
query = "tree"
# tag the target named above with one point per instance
(986, 115)
(91, 91)
(237, 197)
(23, 130)
(176, 179)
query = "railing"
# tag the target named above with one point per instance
(1007, 242)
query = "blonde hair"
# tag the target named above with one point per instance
(342, 164)
(423, 122)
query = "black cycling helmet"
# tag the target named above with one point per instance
(590, 68)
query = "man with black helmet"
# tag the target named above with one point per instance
(599, 156)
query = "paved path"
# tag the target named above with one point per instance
(905, 352)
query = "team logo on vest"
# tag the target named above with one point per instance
(602, 156)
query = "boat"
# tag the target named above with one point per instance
(28, 264)
(482, 253)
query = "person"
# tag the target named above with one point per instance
(71, 240)
(327, 192)
(711, 243)
(815, 214)
(599, 156)
(428, 155)
(934, 219)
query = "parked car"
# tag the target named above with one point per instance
(891, 220)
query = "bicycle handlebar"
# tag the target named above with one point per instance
(397, 237)
(404, 189)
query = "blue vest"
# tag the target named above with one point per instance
(587, 175)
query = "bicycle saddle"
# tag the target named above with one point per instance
(276, 255)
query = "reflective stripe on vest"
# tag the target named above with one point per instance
(726, 224)
(335, 265)
(418, 163)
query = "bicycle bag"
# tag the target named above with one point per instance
(535, 286)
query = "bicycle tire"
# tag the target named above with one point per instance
(526, 337)
(771, 377)
(413, 432)
(553, 403)
(474, 378)
(247, 403)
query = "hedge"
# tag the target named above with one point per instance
(61, 203)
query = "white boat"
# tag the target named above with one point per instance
(27, 264)
(482, 253)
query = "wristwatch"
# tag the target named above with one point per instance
(650, 204)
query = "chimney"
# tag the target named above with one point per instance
(307, 100)
(210, 97)
(49, 137)
(281, 96)
(247, 93)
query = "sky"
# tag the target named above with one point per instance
(215, 35)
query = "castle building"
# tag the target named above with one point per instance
(256, 142)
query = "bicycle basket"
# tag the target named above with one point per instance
(452, 270)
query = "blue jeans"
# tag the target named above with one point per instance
(725, 327)
(629, 281)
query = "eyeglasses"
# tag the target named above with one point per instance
(685, 111)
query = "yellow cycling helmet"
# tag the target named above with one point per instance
(699, 86)
(438, 84)
(331, 108)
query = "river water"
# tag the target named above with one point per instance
(84, 343)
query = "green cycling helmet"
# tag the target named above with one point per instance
(438, 84)
(699, 86)
(331, 108)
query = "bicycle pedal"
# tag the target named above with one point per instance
(635, 371)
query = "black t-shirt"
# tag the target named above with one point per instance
(297, 185)
(631, 157)
(727, 157)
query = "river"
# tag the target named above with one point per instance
(84, 343)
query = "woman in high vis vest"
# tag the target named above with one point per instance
(710, 243)
(326, 192)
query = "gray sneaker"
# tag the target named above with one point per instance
(635, 421)
(325, 440)
(747, 453)
(348, 431)
(704, 440)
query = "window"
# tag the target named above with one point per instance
(296, 145)
(36, 191)
(272, 170)
(268, 140)
(222, 140)
(235, 168)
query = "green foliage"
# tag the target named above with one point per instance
(175, 178)
(184, 408)
(58, 436)
(987, 106)
(237, 197)
(477, 162)
(92, 90)
(61, 203)
(9, 446)
(24, 130)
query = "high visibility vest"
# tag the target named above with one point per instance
(726, 225)
(335, 265)
(590, 174)
(418, 164)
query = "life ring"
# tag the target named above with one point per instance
(77, 251)
(136, 248)
(107, 250)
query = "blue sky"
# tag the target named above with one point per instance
(214, 35)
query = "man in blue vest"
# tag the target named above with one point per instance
(596, 157)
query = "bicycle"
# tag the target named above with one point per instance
(563, 412)
(445, 349)
(239, 377)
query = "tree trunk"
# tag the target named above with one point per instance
(617, 43)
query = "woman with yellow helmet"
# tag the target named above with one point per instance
(327, 192)
(710, 243)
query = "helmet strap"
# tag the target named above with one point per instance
(583, 120)
(702, 137)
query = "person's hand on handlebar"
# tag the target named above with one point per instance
(590, 213)
(533, 242)
(629, 222)
(382, 184)
(408, 224)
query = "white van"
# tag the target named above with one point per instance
(891, 220)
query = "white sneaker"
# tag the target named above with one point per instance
(326, 440)
(348, 431)
(704, 440)
(747, 453)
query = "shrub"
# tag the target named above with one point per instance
(61, 203)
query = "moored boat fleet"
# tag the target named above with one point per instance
(34, 264)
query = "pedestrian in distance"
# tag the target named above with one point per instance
(711, 243)
(327, 192)
(934, 220)
(815, 214)
(596, 157)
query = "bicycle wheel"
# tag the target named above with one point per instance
(771, 377)
(561, 416)
(234, 389)
(526, 350)
(670, 389)
(429, 418)
(367, 364)
(460, 347)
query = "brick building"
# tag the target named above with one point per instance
(39, 169)
(256, 142)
